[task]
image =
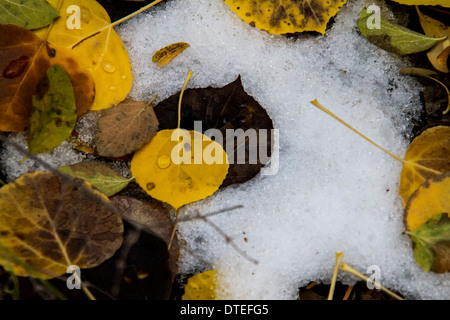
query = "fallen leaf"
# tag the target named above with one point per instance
(226, 108)
(51, 224)
(179, 167)
(104, 56)
(163, 56)
(24, 59)
(438, 55)
(153, 217)
(393, 37)
(431, 149)
(30, 14)
(431, 198)
(125, 128)
(443, 3)
(99, 174)
(286, 16)
(432, 244)
(54, 114)
(201, 286)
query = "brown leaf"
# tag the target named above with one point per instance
(51, 224)
(125, 128)
(24, 58)
(229, 107)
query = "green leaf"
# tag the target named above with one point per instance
(432, 244)
(30, 14)
(54, 115)
(99, 174)
(393, 37)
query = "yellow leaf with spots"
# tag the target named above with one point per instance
(286, 16)
(431, 150)
(179, 166)
(104, 56)
(443, 3)
(430, 199)
(201, 286)
(50, 224)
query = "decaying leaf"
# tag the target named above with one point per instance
(226, 108)
(51, 224)
(30, 14)
(393, 37)
(443, 3)
(99, 174)
(286, 16)
(24, 59)
(153, 217)
(431, 198)
(431, 149)
(163, 56)
(125, 128)
(104, 55)
(432, 244)
(54, 114)
(179, 167)
(438, 55)
(201, 286)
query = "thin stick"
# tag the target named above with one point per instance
(319, 106)
(347, 293)
(181, 97)
(339, 257)
(174, 229)
(345, 267)
(115, 23)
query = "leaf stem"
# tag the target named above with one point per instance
(319, 106)
(339, 257)
(181, 97)
(174, 229)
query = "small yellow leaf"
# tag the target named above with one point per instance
(202, 286)
(104, 56)
(163, 56)
(444, 3)
(431, 198)
(431, 150)
(286, 16)
(179, 166)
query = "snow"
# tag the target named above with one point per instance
(333, 192)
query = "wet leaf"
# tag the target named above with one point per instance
(431, 149)
(393, 37)
(432, 244)
(51, 224)
(24, 59)
(201, 286)
(179, 167)
(125, 128)
(438, 55)
(54, 114)
(99, 174)
(225, 108)
(431, 198)
(163, 56)
(104, 55)
(30, 14)
(287, 16)
(153, 217)
(443, 3)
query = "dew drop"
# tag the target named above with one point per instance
(163, 162)
(112, 88)
(150, 186)
(108, 66)
(91, 70)
(123, 77)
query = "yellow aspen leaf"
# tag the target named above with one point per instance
(179, 166)
(438, 55)
(286, 16)
(431, 149)
(163, 56)
(50, 224)
(104, 56)
(443, 3)
(430, 199)
(201, 286)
